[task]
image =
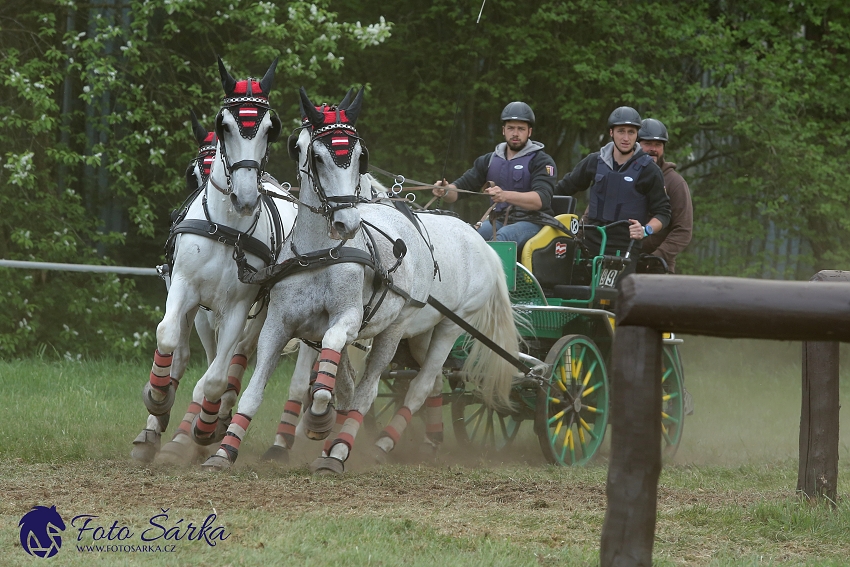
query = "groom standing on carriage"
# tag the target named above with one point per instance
(523, 180)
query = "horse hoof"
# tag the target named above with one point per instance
(276, 454)
(318, 427)
(381, 456)
(154, 407)
(205, 440)
(327, 465)
(217, 463)
(177, 453)
(145, 446)
(428, 450)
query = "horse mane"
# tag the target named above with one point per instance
(373, 186)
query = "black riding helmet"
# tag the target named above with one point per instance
(625, 115)
(518, 111)
(652, 129)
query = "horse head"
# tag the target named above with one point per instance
(325, 150)
(245, 126)
(199, 169)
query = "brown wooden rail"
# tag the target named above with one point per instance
(722, 307)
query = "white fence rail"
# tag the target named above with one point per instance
(78, 268)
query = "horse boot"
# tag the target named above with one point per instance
(228, 451)
(391, 434)
(205, 424)
(285, 437)
(433, 426)
(159, 392)
(336, 464)
(319, 426)
(182, 449)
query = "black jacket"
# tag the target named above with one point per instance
(543, 176)
(650, 182)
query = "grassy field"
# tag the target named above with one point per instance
(727, 499)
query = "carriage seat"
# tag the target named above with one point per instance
(551, 254)
(563, 205)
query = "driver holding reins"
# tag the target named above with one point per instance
(523, 178)
(625, 184)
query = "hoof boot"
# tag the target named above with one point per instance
(180, 452)
(318, 427)
(276, 454)
(205, 440)
(146, 446)
(154, 407)
(327, 465)
(217, 463)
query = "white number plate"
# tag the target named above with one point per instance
(608, 277)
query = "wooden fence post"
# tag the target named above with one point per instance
(629, 530)
(817, 476)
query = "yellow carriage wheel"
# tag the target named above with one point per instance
(672, 401)
(572, 406)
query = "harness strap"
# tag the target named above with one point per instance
(272, 274)
(225, 235)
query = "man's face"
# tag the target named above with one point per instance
(655, 148)
(624, 138)
(516, 133)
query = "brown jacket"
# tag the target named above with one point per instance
(676, 236)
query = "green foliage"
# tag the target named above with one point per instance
(95, 129)
(753, 95)
(95, 133)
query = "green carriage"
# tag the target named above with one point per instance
(568, 330)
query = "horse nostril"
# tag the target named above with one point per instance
(234, 199)
(339, 227)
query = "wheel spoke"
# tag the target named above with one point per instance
(562, 379)
(476, 418)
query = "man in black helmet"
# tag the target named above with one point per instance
(624, 183)
(676, 236)
(523, 176)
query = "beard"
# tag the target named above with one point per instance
(515, 146)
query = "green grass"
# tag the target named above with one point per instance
(728, 498)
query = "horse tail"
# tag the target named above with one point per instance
(484, 369)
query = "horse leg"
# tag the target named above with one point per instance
(166, 372)
(427, 385)
(298, 388)
(215, 380)
(238, 364)
(206, 333)
(383, 348)
(182, 449)
(272, 339)
(319, 419)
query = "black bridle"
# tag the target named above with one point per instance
(233, 105)
(333, 203)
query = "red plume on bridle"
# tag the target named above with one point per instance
(248, 99)
(207, 142)
(334, 125)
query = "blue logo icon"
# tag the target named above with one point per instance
(41, 531)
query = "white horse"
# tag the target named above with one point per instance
(228, 208)
(375, 287)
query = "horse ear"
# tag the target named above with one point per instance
(346, 100)
(309, 109)
(268, 79)
(227, 81)
(199, 131)
(353, 110)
